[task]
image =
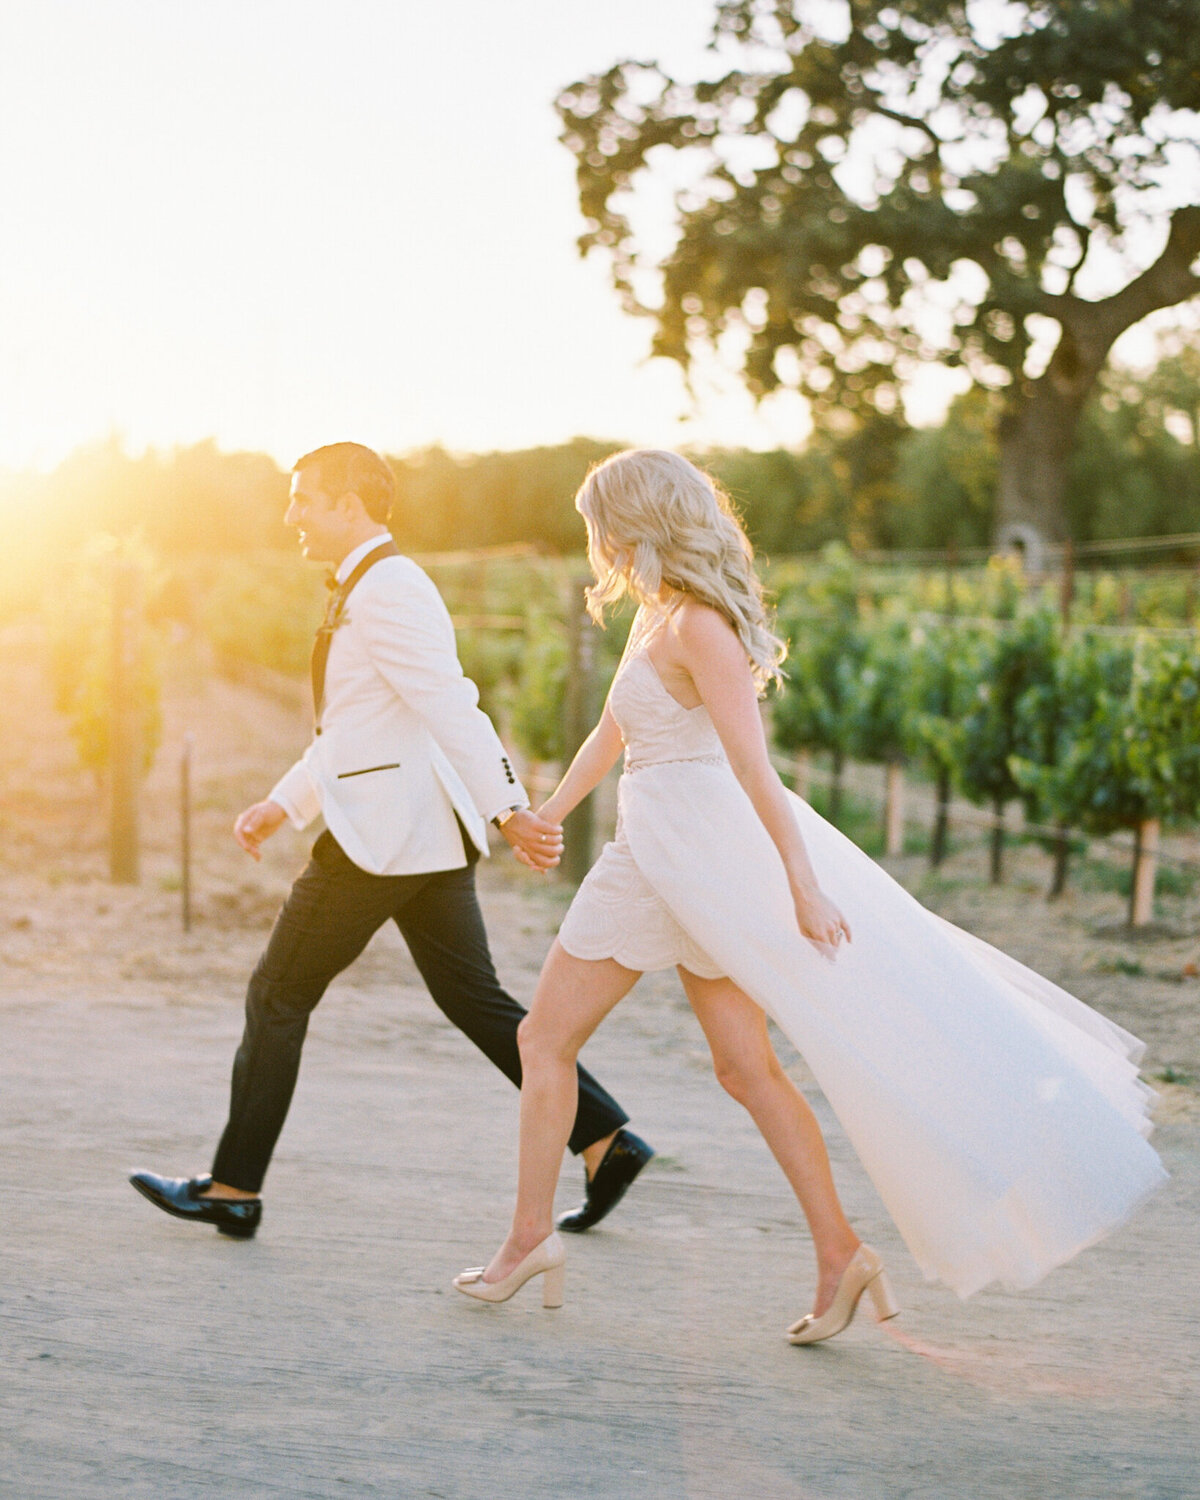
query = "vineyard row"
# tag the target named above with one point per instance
(981, 683)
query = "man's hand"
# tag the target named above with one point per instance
(256, 824)
(534, 841)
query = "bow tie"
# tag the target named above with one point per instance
(334, 604)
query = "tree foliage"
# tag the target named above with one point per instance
(826, 647)
(1006, 667)
(867, 188)
(1120, 736)
(79, 628)
(937, 685)
(877, 486)
(878, 719)
(447, 501)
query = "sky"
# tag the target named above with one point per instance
(281, 223)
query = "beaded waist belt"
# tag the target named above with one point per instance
(679, 760)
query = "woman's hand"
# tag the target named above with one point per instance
(550, 813)
(819, 920)
(536, 841)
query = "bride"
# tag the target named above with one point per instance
(1001, 1120)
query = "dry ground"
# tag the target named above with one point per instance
(329, 1357)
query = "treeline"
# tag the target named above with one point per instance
(879, 484)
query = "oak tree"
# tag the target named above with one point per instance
(861, 188)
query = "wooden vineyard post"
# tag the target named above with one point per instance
(1145, 867)
(801, 773)
(893, 808)
(185, 832)
(125, 751)
(577, 724)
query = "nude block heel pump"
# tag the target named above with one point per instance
(865, 1273)
(553, 1286)
(547, 1260)
(885, 1302)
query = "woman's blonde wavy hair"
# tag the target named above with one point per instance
(653, 518)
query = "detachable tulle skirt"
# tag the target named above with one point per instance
(1002, 1121)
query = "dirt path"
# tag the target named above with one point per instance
(329, 1357)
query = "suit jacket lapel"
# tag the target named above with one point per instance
(333, 617)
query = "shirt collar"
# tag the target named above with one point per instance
(352, 559)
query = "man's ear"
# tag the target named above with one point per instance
(351, 506)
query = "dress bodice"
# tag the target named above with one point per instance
(656, 728)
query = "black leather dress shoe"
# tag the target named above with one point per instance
(180, 1196)
(623, 1160)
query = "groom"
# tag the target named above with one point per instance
(406, 770)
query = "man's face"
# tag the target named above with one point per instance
(320, 522)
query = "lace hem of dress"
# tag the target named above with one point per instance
(643, 955)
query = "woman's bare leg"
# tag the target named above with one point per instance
(747, 1068)
(573, 996)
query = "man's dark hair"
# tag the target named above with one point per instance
(345, 468)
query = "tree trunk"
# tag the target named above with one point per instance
(835, 789)
(1037, 436)
(996, 874)
(1062, 856)
(941, 822)
(1037, 431)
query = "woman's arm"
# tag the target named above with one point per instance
(593, 761)
(705, 645)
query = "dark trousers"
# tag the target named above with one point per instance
(333, 911)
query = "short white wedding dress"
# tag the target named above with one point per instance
(1001, 1120)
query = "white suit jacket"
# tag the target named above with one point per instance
(402, 745)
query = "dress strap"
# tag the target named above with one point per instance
(646, 625)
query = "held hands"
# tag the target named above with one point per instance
(535, 841)
(820, 921)
(256, 824)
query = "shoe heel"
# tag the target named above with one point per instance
(553, 1284)
(886, 1305)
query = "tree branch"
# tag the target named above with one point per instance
(1091, 328)
(909, 122)
(1085, 239)
(1170, 280)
